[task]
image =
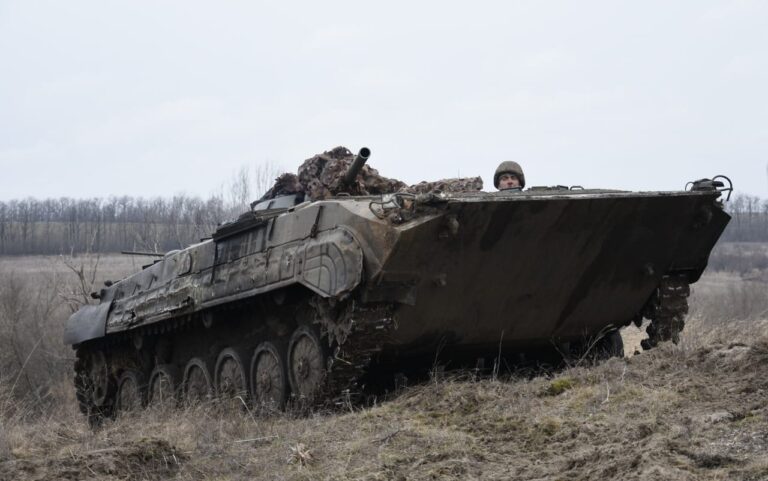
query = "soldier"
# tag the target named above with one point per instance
(509, 175)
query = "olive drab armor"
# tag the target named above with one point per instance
(335, 283)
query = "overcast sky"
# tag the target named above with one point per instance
(146, 98)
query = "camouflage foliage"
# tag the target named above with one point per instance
(464, 184)
(286, 184)
(320, 177)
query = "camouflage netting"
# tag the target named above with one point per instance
(286, 184)
(465, 184)
(320, 177)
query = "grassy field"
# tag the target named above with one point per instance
(689, 412)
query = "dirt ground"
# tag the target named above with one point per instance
(667, 414)
(696, 411)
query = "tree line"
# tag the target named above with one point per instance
(749, 221)
(70, 226)
(64, 226)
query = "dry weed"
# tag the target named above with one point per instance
(670, 413)
(300, 455)
(695, 411)
(5, 450)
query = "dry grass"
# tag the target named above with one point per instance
(696, 411)
(666, 414)
(37, 268)
(724, 307)
(740, 257)
(37, 295)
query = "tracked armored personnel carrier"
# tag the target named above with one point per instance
(315, 300)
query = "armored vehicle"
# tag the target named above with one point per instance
(315, 300)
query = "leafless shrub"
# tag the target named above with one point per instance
(84, 269)
(36, 297)
(26, 356)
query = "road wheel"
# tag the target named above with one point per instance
(164, 383)
(307, 360)
(197, 386)
(102, 382)
(94, 385)
(269, 376)
(131, 391)
(231, 378)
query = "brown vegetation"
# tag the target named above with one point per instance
(666, 414)
(37, 294)
(694, 411)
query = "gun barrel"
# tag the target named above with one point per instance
(152, 254)
(357, 164)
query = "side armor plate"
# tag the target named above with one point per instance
(333, 264)
(88, 323)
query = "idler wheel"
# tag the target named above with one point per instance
(163, 385)
(269, 376)
(131, 391)
(231, 377)
(306, 363)
(197, 386)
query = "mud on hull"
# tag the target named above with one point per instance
(533, 270)
(316, 301)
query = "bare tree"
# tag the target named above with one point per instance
(264, 177)
(65, 225)
(85, 268)
(240, 191)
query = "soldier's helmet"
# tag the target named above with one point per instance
(509, 167)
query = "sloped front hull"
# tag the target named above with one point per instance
(533, 269)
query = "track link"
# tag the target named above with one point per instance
(666, 310)
(356, 336)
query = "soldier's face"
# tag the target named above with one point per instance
(508, 181)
